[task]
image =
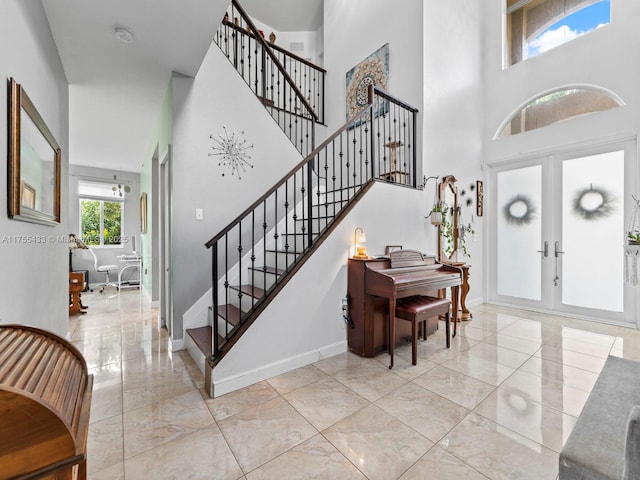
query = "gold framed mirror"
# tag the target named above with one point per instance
(33, 162)
(448, 229)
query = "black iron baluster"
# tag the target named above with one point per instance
(264, 75)
(253, 249)
(239, 248)
(264, 232)
(214, 284)
(242, 35)
(286, 223)
(333, 178)
(295, 213)
(310, 201)
(373, 140)
(414, 153)
(275, 226)
(226, 280)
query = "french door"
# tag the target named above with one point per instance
(558, 233)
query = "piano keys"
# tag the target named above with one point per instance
(374, 285)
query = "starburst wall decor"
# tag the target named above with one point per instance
(233, 152)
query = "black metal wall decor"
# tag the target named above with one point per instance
(232, 151)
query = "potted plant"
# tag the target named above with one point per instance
(439, 216)
(633, 237)
(436, 214)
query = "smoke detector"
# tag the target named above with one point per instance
(123, 34)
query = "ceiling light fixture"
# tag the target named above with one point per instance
(123, 35)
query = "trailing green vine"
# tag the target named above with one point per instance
(445, 230)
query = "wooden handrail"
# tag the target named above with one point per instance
(309, 63)
(296, 57)
(275, 60)
(395, 100)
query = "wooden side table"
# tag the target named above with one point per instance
(464, 290)
(464, 312)
(76, 285)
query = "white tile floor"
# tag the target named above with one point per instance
(499, 404)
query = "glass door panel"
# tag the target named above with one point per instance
(519, 232)
(558, 233)
(592, 258)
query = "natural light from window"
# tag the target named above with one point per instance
(100, 214)
(557, 106)
(537, 26)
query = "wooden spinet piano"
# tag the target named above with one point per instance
(375, 284)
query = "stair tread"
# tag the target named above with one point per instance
(202, 338)
(230, 313)
(320, 217)
(268, 269)
(252, 291)
(288, 252)
(329, 203)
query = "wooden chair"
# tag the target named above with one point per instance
(416, 310)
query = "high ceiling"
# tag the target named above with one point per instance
(287, 15)
(117, 89)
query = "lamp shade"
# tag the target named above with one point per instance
(359, 240)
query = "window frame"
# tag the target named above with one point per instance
(574, 86)
(102, 200)
(521, 7)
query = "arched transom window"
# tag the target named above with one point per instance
(556, 106)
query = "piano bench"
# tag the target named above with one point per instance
(417, 309)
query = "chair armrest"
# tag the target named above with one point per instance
(632, 446)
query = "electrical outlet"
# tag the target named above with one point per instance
(345, 304)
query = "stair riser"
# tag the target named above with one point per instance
(296, 242)
(330, 197)
(245, 304)
(261, 280)
(318, 224)
(321, 210)
(222, 325)
(282, 259)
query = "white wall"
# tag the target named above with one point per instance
(284, 40)
(304, 322)
(354, 30)
(201, 106)
(34, 282)
(453, 110)
(605, 57)
(82, 259)
(435, 64)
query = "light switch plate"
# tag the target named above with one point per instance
(199, 214)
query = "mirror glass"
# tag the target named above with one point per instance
(448, 230)
(34, 163)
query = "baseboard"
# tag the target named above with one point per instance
(475, 302)
(176, 345)
(241, 380)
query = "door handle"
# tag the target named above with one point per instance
(557, 249)
(545, 251)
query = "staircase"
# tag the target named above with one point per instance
(255, 256)
(290, 88)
